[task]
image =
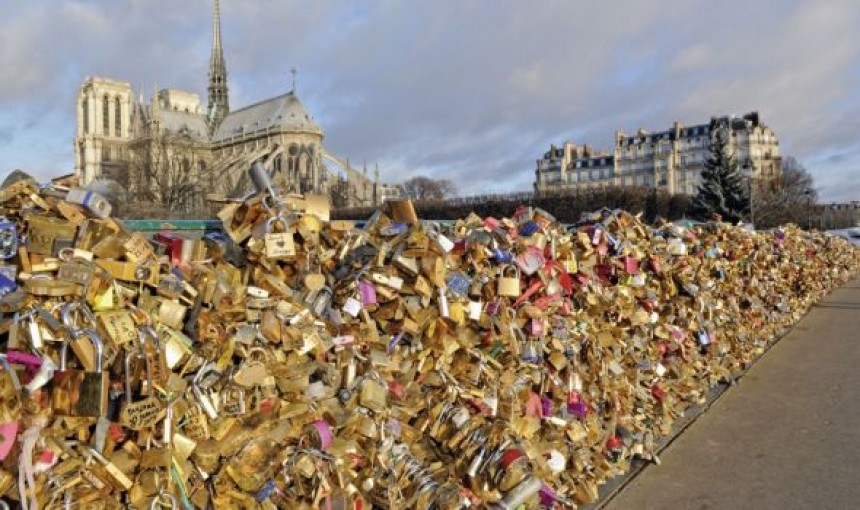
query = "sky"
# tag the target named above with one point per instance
(467, 90)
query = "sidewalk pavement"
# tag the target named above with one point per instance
(787, 437)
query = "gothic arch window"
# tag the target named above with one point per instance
(85, 106)
(117, 116)
(105, 114)
(277, 163)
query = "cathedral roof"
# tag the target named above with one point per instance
(284, 113)
(192, 124)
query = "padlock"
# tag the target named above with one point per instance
(367, 292)
(519, 496)
(442, 300)
(77, 271)
(373, 395)
(458, 283)
(321, 301)
(79, 393)
(530, 261)
(130, 357)
(8, 239)
(93, 202)
(233, 402)
(509, 286)
(279, 245)
(262, 180)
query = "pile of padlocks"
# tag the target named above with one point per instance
(297, 362)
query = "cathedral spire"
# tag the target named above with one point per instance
(219, 103)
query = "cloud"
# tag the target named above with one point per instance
(470, 91)
(7, 134)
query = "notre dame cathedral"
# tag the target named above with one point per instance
(173, 153)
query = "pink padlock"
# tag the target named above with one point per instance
(8, 432)
(367, 292)
(24, 358)
(536, 327)
(631, 265)
(491, 223)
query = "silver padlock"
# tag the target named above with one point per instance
(94, 202)
(261, 179)
(321, 301)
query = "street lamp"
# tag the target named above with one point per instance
(808, 194)
(748, 175)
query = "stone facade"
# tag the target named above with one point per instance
(672, 160)
(173, 141)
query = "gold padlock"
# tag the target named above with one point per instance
(79, 393)
(509, 286)
(374, 395)
(279, 245)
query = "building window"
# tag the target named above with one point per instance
(106, 154)
(117, 117)
(105, 115)
(85, 106)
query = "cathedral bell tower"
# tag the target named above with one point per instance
(219, 103)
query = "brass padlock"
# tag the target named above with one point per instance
(509, 286)
(374, 395)
(79, 393)
(279, 245)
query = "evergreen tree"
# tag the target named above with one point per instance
(723, 191)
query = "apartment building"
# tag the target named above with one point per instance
(671, 159)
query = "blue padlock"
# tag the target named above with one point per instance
(458, 284)
(528, 229)
(7, 283)
(8, 239)
(502, 256)
(393, 229)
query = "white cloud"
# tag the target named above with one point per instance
(471, 91)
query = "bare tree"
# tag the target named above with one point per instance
(788, 199)
(167, 175)
(422, 188)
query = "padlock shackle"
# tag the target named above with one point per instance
(159, 500)
(128, 357)
(69, 320)
(147, 332)
(278, 218)
(261, 179)
(98, 348)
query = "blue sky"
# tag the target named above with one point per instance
(473, 91)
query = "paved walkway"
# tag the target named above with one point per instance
(787, 437)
